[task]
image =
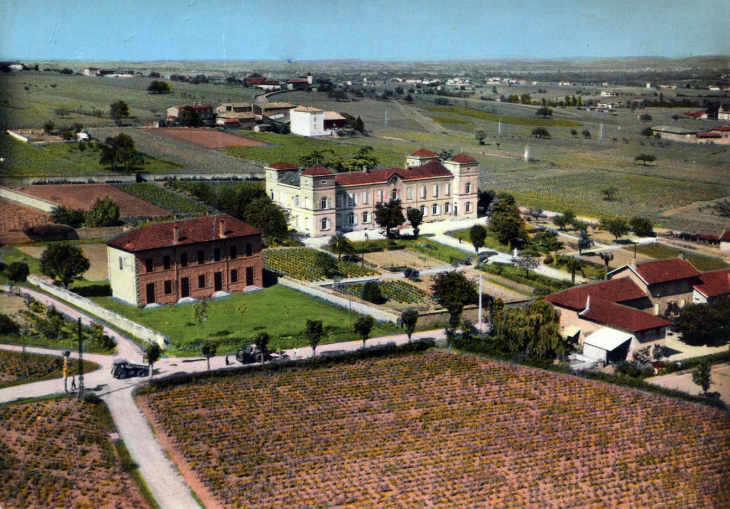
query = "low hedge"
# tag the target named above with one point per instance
(532, 279)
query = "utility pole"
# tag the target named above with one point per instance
(81, 363)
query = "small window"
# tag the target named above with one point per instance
(148, 264)
(249, 249)
(184, 260)
(434, 210)
(166, 262)
(323, 204)
(324, 181)
(233, 252)
(296, 201)
(366, 217)
(272, 195)
(168, 287)
(201, 257)
(234, 276)
(468, 206)
(435, 190)
(201, 281)
(121, 263)
(217, 254)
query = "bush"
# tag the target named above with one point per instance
(7, 325)
(633, 370)
(17, 272)
(548, 260)
(71, 217)
(371, 292)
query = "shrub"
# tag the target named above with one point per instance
(548, 260)
(7, 325)
(17, 271)
(371, 292)
(71, 217)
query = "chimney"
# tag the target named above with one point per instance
(223, 229)
(174, 235)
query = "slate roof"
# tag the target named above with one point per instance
(715, 283)
(613, 290)
(664, 271)
(190, 231)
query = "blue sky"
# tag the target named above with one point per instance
(134, 30)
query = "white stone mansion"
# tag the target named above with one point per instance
(321, 202)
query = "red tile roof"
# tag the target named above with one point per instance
(191, 231)
(622, 317)
(664, 271)
(725, 235)
(196, 107)
(463, 158)
(715, 283)
(422, 152)
(696, 114)
(283, 166)
(709, 135)
(317, 171)
(433, 169)
(613, 290)
(722, 128)
(256, 81)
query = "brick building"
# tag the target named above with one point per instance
(195, 258)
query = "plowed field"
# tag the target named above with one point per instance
(208, 138)
(16, 219)
(440, 430)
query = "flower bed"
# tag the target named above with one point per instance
(14, 370)
(434, 428)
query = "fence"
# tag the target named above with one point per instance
(343, 302)
(133, 328)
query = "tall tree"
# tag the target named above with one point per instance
(313, 333)
(159, 87)
(341, 245)
(616, 226)
(535, 330)
(208, 350)
(575, 265)
(702, 376)
(453, 291)
(609, 194)
(316, 157)
(119, 111)
(17, 272)
(363, 326)
(153, 352)
(389, 215)
(544, 112)
(200, 314)
(415, 217)
(507, 224)
(477, 236)
(364, 158)
(642, 226)
(606, 257)
(408, 320)
(120, 151)
(480, 135)
(584, 241)
(64, 262)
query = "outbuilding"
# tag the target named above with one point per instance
(607, 345)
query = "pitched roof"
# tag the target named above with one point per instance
(282, 166)
(722, 128)
(308, 109)
(317, 171)
(433, 169)
(613, 290)
(621, 317)
(422, 152)
(279, 104)
(725, 235)
(715, 283)
(191, 231)
(333, 115)
(709, 135)
(664, 271)
(463, 158)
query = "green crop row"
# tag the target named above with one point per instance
(163, 198)
(310, 265)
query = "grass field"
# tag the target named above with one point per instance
(451, 121)
(14, 370)
(290, 148)
(662, 252)
(435, 429)
(280, 311)
(493, 117)
(57, 453)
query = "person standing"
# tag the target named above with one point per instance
(296, 352)
(73, 383)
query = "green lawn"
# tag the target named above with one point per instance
(490, 242)
(55, 159)
(290, 148)
(280, 311)
(451, 121)
(493, 117)
(10, 255)
(662, 252)
(35, 368)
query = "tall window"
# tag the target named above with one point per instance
(366, 217)
(233, 252)
(296, 201)
(394, 194)
(380, 196)
(323, 203)
(249, 249)
(325, 224)
(184, 260)
(365, 197)
(351, 220)
(447, 208)
(435, 210)
(435, 190)
(201, 257)
(201, 281)
(409, 193)
(447, 189)
(468, 206)
(272, 195)
(306, 223)
(468, 189)
(423, 210)
(148, 264)
(234, 276)
(217, 254)
(423, 191)
(121, 263)
(351, 199)
(166, 262)
(168, 287)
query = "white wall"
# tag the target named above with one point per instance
(124, 280)
(27, 200)
(307, 123)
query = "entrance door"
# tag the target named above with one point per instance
(249, 276)
(217, 281)
(150, 293)
(184, 287)
(456, 209)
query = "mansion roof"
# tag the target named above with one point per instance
(434, 169)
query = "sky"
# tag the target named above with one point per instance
(142, 30)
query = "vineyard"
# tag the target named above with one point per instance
(57, 454)
(396, 290)
(22, 159)
(437, 429)
(14, 370)
(162, 198)
(310, 265)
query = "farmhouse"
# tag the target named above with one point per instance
(713, 286)
(271, 109)
(321, 202)
(242, 114)
(672, 133)
(615, 304)
(205, 111)
(307, 121)
(197, 258)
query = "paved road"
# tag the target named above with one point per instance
(682, 381)
(167, 486)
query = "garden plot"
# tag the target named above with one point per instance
(96, 253)
(208, 138)
(83, 197)
(402, 258)
(389, 433)
(58, 453)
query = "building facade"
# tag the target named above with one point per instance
(321, 202)
(195, 258)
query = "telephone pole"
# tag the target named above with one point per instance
(81, 363)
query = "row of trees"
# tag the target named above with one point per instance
(104, 213)
(363, 159)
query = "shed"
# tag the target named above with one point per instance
(608, 345)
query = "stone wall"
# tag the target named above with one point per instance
(81, 179)
(133, 328)
(27, 200)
